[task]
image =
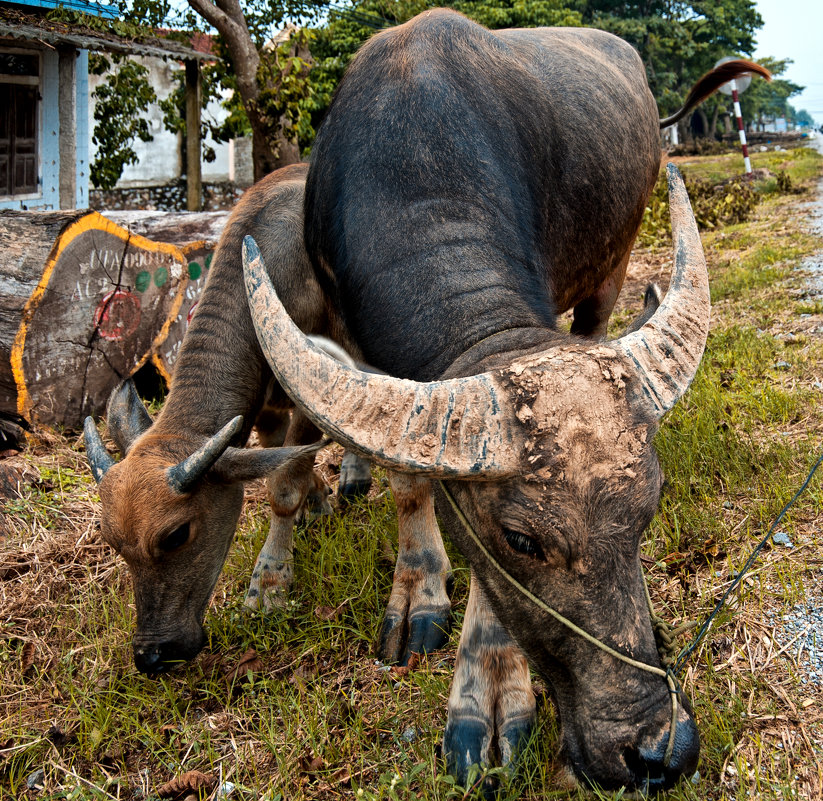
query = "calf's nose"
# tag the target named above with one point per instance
(648, 762)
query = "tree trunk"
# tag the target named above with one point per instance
(704, 121)
(84, 302)
(271, 147)
(713, 123)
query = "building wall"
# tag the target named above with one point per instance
(83, 133)
(161, 161)
(48, 135)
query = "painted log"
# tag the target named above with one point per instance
(85, 302)
(196, 234)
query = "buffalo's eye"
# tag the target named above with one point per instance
(523, 543)
(177, 538)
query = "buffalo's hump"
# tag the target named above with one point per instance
(465, 182)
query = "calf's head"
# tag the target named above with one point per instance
(548, 454)
(170, 508)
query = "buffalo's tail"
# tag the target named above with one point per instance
(711, 82)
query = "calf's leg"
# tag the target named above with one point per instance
(491, 704)
(289, 492)
(418, 614)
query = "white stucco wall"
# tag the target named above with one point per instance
(161, 160)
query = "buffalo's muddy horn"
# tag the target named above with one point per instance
(666, 351)
(96, 453)
(182, 477)
(126, 415)
(454, 428)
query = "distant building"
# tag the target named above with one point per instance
(44, 101)
(163, 159)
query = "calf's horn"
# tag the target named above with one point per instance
(460, 427)
(126, 416)
(182, 477)
(666, 351)
(96, 453)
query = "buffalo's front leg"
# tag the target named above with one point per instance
(355, 477)
(418, 614)
(491, 703)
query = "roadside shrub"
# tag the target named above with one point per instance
(701, 146)
(714, 205)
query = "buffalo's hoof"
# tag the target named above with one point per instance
(469, 743)
(355, 478)
(425, 631)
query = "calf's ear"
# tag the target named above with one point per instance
(651, 301)
(246, 464)
(126, 416)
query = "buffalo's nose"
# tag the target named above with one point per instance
(648, 764)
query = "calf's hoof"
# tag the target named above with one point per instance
(269, 587)
(316, 505)
(420, 632)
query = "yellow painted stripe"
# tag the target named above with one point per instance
(89, 222)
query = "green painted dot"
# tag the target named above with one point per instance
(161, 275)
(208, 260)
(142, 281)
(195, 270)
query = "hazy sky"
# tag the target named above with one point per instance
(794, 29)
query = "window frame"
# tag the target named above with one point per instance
(35, 81)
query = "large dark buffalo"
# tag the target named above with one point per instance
(467, 187)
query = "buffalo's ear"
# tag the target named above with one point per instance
(245, 464)
(651, 302)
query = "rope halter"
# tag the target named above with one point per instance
(663, 633)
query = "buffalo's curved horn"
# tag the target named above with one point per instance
(96, 453)
(126, 415)
(666, 351)
(182, 477)
(459, 427)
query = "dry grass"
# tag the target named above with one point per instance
(293, 706)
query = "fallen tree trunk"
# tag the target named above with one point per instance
(85, 302)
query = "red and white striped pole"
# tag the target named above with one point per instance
(740, 130)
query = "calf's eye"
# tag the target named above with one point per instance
(523, 543)
(173, 541)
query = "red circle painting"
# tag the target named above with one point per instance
(117, 315)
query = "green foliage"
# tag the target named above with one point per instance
(770, 99)
(713, 205)
(678, 41)
(213, 79)
(119, 114)
(285, 91)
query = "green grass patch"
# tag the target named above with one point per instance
(291, 705)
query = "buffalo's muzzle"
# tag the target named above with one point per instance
(647, 766)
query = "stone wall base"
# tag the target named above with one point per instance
(168, 197)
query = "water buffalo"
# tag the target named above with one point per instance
(170, 506)
(466, 187)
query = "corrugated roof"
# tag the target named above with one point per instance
(109, 11)
(33, 28)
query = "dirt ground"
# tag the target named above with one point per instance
(53, 563)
